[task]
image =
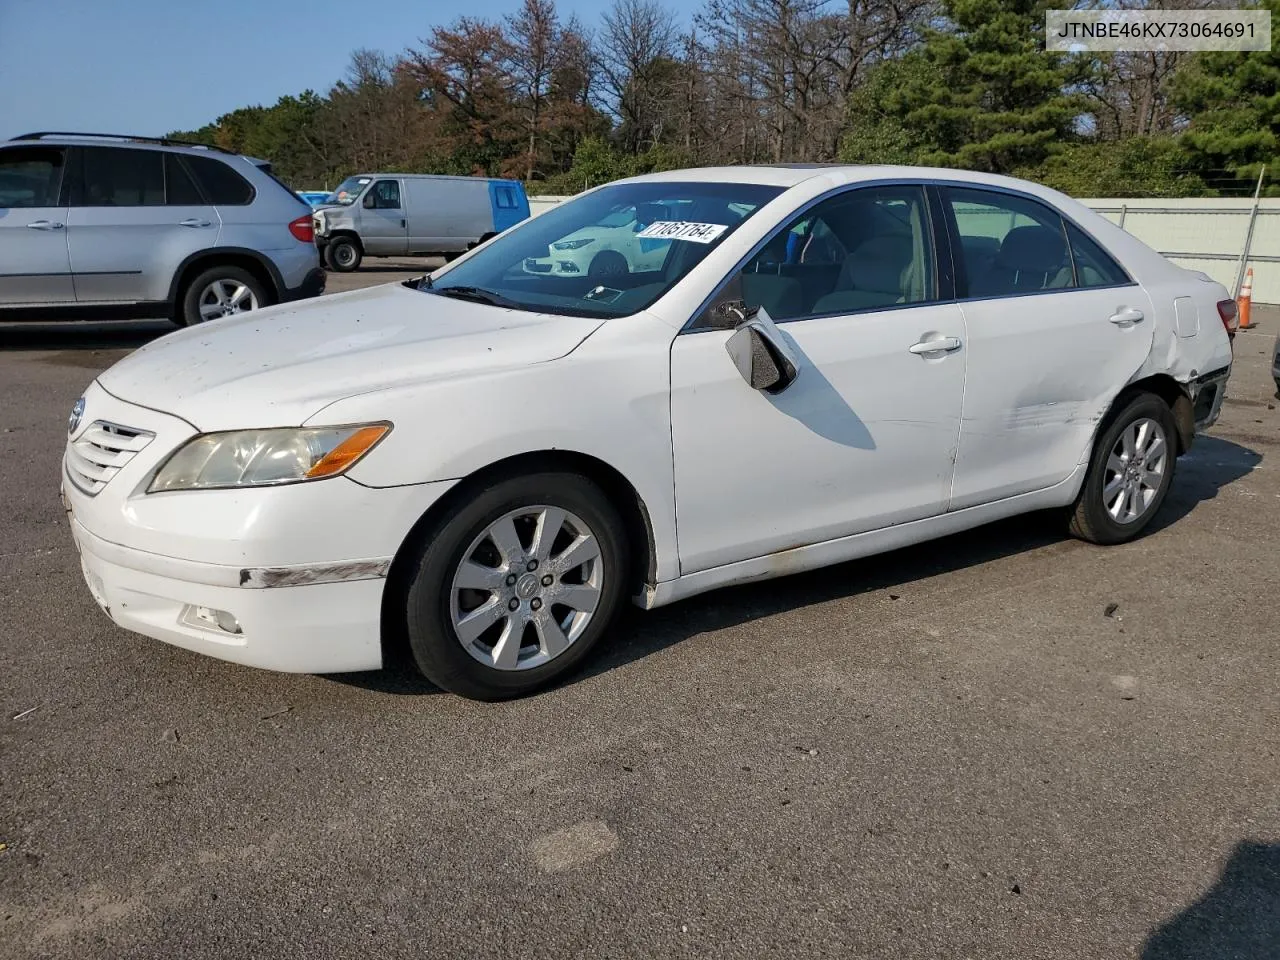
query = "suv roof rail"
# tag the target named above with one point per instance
(166, 141)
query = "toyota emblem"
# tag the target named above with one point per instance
(77, 412)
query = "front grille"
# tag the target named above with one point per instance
(101, 452)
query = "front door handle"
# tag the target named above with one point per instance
(44, 225)
(1126, 315)
(194, 222)
(941, 345)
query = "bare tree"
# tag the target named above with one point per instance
(637, 38)
(532, 50)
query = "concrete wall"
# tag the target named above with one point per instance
(1199, 234)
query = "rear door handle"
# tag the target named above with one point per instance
(1126, 315)
(194, 222)
(941, 345)
(44, 225)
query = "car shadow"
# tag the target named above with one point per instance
(1237, 919)
(1214, 463)
(82, 334)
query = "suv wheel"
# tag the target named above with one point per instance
(221, 291)
(343, 254)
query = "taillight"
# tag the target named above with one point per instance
(1230, 316)
(305, 232)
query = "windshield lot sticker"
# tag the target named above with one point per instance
(683, 230)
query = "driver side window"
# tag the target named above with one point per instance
(385, 195)
(866, 249)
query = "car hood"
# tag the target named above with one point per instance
(280, 365)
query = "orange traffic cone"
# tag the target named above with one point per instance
(1242, 301)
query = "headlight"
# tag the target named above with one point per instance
(572, 244)
(318, 222)
(252, 458)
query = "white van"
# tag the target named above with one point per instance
(410, 214)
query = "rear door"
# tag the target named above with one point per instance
(35, 266)
(1056, 328)
(135, 216)
(383, 226)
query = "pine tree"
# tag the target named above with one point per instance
(980, 94)
(1233, 100)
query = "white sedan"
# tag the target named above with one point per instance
(482, 465)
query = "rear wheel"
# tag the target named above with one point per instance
(221, 291)
(343, 254)
(513, 589)
(1130, 473)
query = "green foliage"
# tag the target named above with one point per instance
(981, 94)
(1135, 167)
(1233, 101)
(597, 162)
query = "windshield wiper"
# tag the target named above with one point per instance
(478, 295)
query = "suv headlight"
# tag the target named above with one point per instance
(252, 458)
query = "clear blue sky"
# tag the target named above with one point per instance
(151, 66)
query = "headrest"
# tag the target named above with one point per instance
(1036, 249)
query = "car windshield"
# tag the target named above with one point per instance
(348, 190)
(608, 253)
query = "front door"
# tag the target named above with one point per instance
(382, 222)
(35, 267)
(1055, 326)
(866, 435)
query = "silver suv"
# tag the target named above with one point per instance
(96, 225)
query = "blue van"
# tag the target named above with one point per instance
(409, 214)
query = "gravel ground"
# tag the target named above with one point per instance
(1003, 744)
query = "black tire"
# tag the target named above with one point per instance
(608, 263)
(1089, 518)
(190, 312)
(343, 254)
(436, 648)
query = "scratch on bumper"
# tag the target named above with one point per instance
(307, 574)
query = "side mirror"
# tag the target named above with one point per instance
(761, 355)
(370, 201)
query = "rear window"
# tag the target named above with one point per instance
(221, 185)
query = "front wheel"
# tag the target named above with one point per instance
(1130, 473)
(516, 586)
(343, 254)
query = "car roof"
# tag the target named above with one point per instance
(790, 174)
(61, 139)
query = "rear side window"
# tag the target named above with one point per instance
(1009, 244)
(120, 177)
(1094, 266)
(179, 190)
(506, 198)
(218, 182)
(30, 177)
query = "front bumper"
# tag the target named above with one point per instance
(326, 627)
(300, 568)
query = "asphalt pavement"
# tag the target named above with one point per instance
(1005, 744)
